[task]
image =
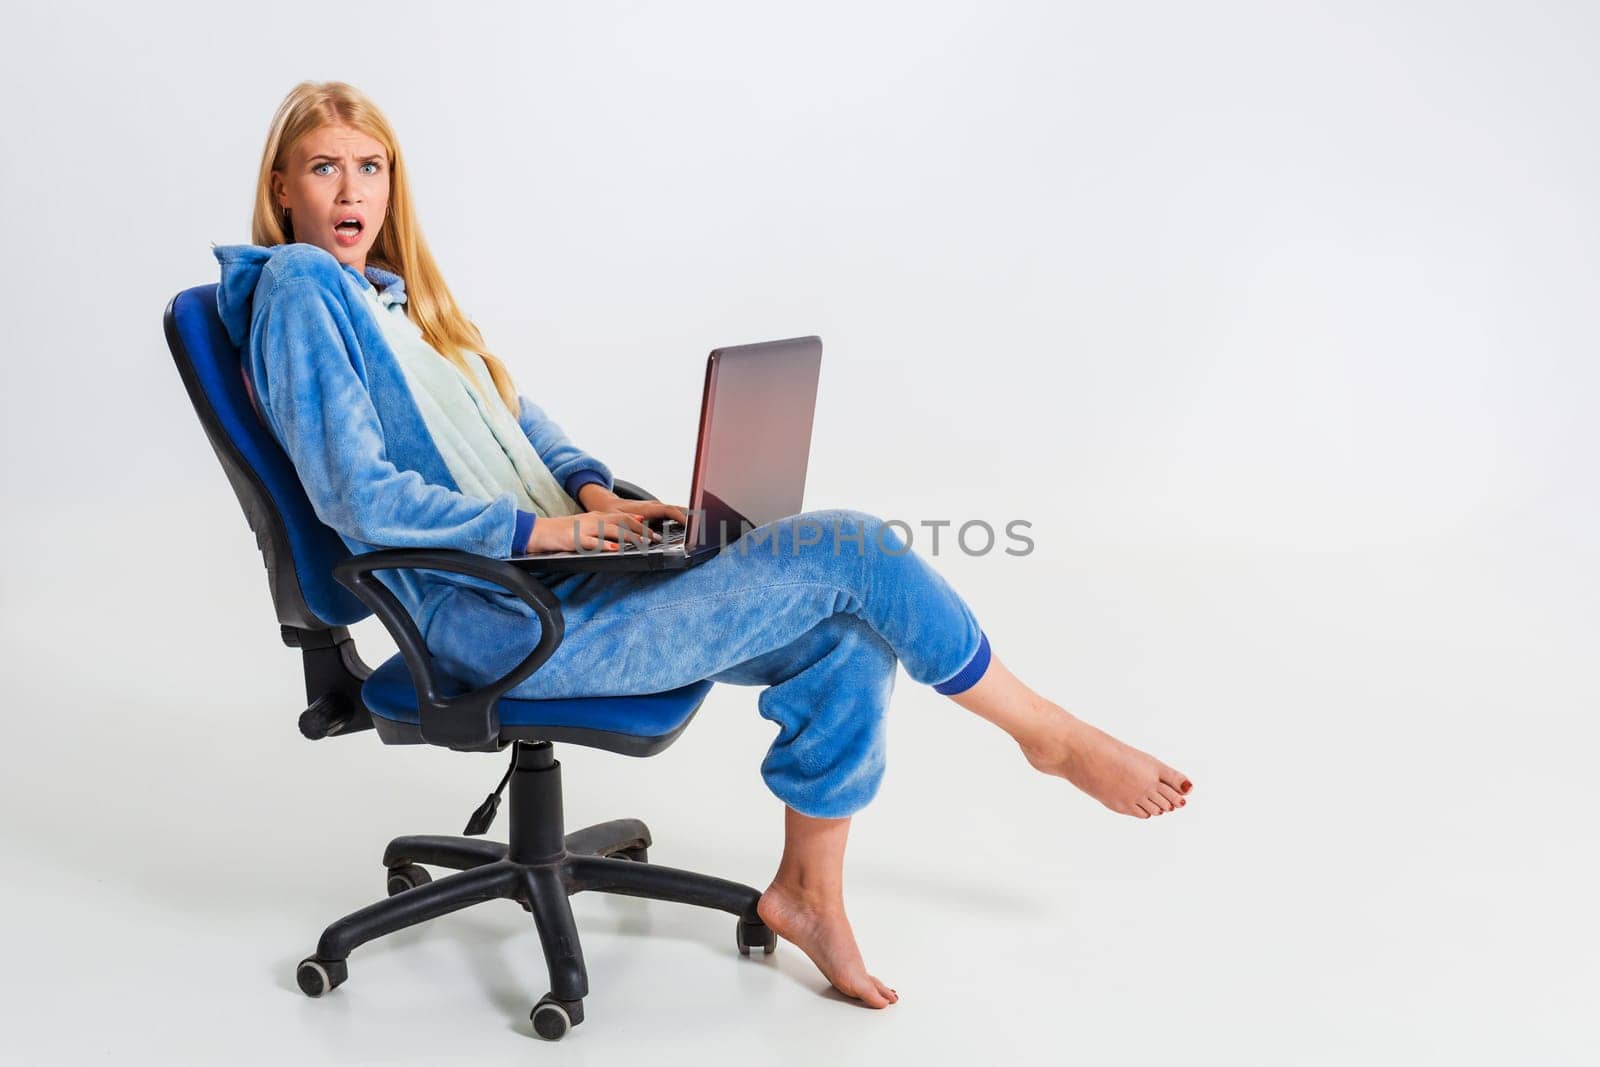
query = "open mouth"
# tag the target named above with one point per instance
(349, 229)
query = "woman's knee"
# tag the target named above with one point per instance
(847, 533)
(838, 548)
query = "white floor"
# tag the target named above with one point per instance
(1383, 860)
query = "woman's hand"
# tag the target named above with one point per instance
(595, 497)
(592, 530)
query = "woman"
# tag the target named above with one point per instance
(406, 432)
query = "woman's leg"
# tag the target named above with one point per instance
(752, 616)
(805, 905)
(1054, 741)
(828, 691)
(792, 614)
(650, 632)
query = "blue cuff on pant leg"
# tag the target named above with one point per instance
(968, 676)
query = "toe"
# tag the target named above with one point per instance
(1175, 779)
(1143, 812)
(1159, 802)
(1170, 795)
(862, 986)
(869, 995)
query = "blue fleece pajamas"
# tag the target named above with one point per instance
(818, 619)
(816, 607)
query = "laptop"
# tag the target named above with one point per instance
(756, 414)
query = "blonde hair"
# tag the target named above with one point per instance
(400, 247)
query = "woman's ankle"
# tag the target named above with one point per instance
(815, 892)
(1052, 736)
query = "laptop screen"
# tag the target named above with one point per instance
(755, 437)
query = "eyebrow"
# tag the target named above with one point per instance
(335, 159)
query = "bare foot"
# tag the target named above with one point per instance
(1117, 775)
(821, 930)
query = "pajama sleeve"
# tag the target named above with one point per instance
(570, 465)
(519, 540)
(319, 409)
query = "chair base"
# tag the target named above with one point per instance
(540, 868)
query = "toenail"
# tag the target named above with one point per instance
(1186, 786)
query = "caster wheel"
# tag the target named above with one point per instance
(407, 876)
(552, 1018)
(751, 935)
(638, 854)
(316, 977)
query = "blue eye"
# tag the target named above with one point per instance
(318, 169)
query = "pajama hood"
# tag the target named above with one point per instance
(242, 266)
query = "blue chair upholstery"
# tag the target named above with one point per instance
(275, 504)
(641, 725)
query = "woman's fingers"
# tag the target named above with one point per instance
(655, 509)
(668, 511)
(610, 530)
(630, 523)
(628, 519)
(618, 527)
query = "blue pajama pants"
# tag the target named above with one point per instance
(818, 607)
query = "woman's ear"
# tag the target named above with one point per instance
(280, 191)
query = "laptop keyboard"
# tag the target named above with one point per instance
(671, 538)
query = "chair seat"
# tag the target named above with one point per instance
(639, 725)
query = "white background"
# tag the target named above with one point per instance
(1276, 320)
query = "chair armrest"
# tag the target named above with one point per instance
(468, 721)
(629, 491)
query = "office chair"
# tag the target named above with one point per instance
(319, 589)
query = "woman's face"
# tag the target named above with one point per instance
(336, 174)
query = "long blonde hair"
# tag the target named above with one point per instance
(400, 247)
